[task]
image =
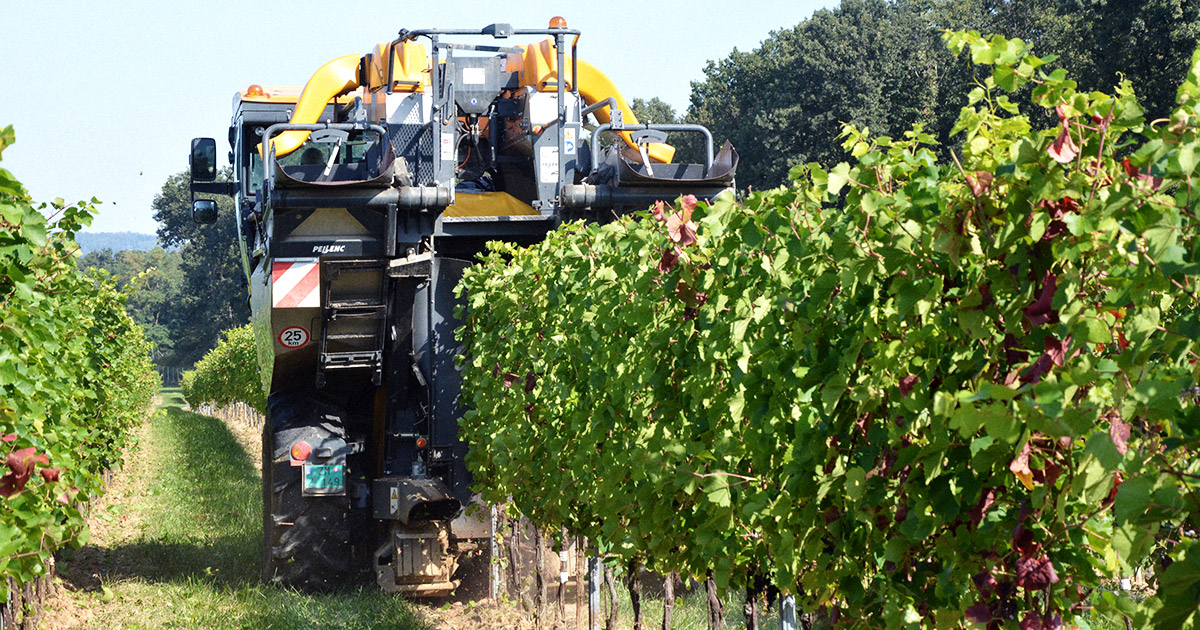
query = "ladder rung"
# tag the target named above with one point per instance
(348, 336)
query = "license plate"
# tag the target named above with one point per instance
(324, 479)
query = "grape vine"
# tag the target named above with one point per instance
(913, 392)
(75, 377)
(227, 374)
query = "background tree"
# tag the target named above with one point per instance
(880, 64)
(1148, 42)
(867, 61)
(654, 110)
(213, 292)
(156, 302)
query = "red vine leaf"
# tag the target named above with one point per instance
(1118, 479)
(11, 437)
(979, 613)
(1013, 352)
(681, 230)
(1118, 430)
(1063, 149)
(1040, 312)
(1020, 464)
(687, 204)
(20, 464)
(1035, 574)
(1141, 176)
(986, 501)
(1039, 369)
(1023, 541)
(659, 211)
(980, 182)
(986, 583)
(1057, 210)
(1154, 182)
(1056, 350)
(670, 258)
(680, 226)
(906, 384)
(65, 498)
(50, 474)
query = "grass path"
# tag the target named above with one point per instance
(175, 544)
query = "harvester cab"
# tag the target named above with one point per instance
(361, 198)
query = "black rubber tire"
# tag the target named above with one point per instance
(306, 540)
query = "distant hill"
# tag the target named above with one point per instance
(116, 241)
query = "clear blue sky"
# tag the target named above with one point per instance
(105, 96)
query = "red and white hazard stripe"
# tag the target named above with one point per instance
(296, 284)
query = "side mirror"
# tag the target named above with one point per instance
(204, 211)
(204, 160)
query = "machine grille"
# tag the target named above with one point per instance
(415, 144)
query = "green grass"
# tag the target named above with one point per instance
(189, 556)
(690, 611)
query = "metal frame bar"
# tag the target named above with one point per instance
(708, 156)
(497, 31)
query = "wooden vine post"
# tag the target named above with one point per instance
(633, 582)
(564, 561)
(668, 599)
(580, 563)
(611, 584)
(539, 577)
(716, 611)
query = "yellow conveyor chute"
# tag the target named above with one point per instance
(539, 70)
(333, 79)
(341, 76)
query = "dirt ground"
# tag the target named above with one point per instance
(78, 590)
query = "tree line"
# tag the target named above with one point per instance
(880, 64)
(188, 294)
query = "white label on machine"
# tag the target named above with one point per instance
(474, 76)
(569, 140)
(394, 501)
(543, 108)
(447, 146)
(548, 165)
(408, 109)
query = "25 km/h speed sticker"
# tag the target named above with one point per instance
(293, 337)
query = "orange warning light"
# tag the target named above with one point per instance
(255, 90)
(421, 442)
(301, 450)
(558, 22)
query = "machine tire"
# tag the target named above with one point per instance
(306, 540)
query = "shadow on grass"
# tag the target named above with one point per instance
(194, 509)
(198, 508)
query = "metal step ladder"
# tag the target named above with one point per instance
(355, 317)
